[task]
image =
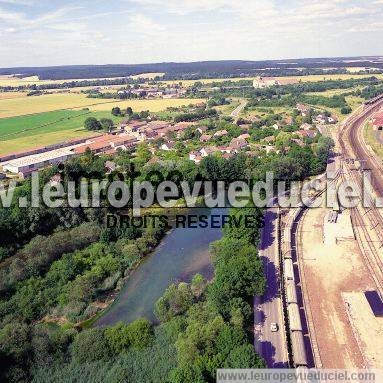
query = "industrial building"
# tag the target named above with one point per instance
(28, 164)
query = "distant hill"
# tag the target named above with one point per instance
(230, 68)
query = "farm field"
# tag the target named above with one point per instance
(25, 126)
(41, 139)
(9, 95)
(38, 104)
(333, 92)
(149, 76)
(321, 77)
(48, 122)
(155, 105)
(19, 133)
(16, 81)
(309, 78)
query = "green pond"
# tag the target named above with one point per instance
(181, 254)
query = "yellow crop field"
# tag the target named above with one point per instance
(310, 78)
(37, 104)
(37, 140)
(188, 83)
(334, 92)
(155, 105)
(16, 81)
(8, 95)
(322, 77)
(148, 76)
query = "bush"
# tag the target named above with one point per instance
(175, 301)
(89, 346)
(137, 335)
(346, 110)
(92, 123)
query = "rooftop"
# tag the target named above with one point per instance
(38, 158)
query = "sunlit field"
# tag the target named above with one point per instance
(23, 132)
(16, 81)
(37, 104)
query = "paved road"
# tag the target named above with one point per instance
(268, 309)
(238, 109)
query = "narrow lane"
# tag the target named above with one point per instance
(238, 109)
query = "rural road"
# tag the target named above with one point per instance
(238, 109)
(268, 308)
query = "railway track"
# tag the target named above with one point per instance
(303, 349)
(352, 146)
(357, 150)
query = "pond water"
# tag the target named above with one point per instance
(182, 253)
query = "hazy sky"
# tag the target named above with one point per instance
(42, 32)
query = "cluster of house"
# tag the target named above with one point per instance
(155, 92)
(143, 130)
(320, 119)
(236, 144)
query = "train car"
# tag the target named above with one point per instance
(374, 100)
(288, 269)
(291, 292)
(294, 317)
(298, 349)
(287, 234)
(286, 251)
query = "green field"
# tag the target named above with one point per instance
(25, 126)
(18, 133)
(35, 121)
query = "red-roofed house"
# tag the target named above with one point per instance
(238, 143)
(307, 133)
(205, 138)
(168, 145)
(303, 109)
(220, 133)
(208, 150)
(201, 129)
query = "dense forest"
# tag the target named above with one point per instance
(196, 70)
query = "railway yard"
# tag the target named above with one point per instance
(329, 258)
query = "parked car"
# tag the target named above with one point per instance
(274, 327)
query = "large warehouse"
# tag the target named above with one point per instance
(28, 164)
